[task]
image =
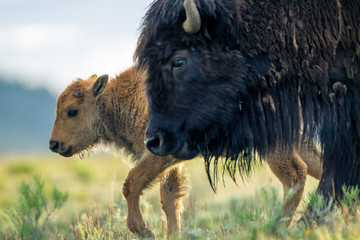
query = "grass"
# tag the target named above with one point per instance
(95, 208)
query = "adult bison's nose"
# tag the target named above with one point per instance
(155, 144)
(164, 143)
(54, 146)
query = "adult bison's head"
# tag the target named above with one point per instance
(75, 128)
(195, 84)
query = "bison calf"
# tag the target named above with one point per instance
(94, 111)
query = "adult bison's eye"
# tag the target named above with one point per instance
(72, 113)
(178, 62)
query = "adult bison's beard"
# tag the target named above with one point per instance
(251, 130)
(228, 145)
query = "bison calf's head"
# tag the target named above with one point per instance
(75, 128)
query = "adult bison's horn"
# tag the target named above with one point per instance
(192, 23)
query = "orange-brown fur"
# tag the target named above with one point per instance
(116, 112)
(292, 167)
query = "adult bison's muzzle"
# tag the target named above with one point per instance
(165, 143)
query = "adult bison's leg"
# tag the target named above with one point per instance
(328, 188)
(291, 170)
(326, 184)
(139, 178)
(340, 137)
(341, 141)
(173, 189)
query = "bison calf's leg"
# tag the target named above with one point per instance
(173, 189)
(291, 171)
(139, 178)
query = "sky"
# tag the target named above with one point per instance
(50, 43)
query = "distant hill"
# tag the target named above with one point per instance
(26, 118)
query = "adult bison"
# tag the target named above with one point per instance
(227, 78)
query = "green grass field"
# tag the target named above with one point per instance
(96, 209)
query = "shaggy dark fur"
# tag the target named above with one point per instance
(244, 76)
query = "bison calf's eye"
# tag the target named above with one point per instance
(178, 63)
(72, 113)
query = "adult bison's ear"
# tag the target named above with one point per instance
(100, 85)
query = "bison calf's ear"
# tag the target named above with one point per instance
(99, 85)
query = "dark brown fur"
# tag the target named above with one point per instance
(232, 88)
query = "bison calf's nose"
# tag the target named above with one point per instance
(54, 146)
(153, 144)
